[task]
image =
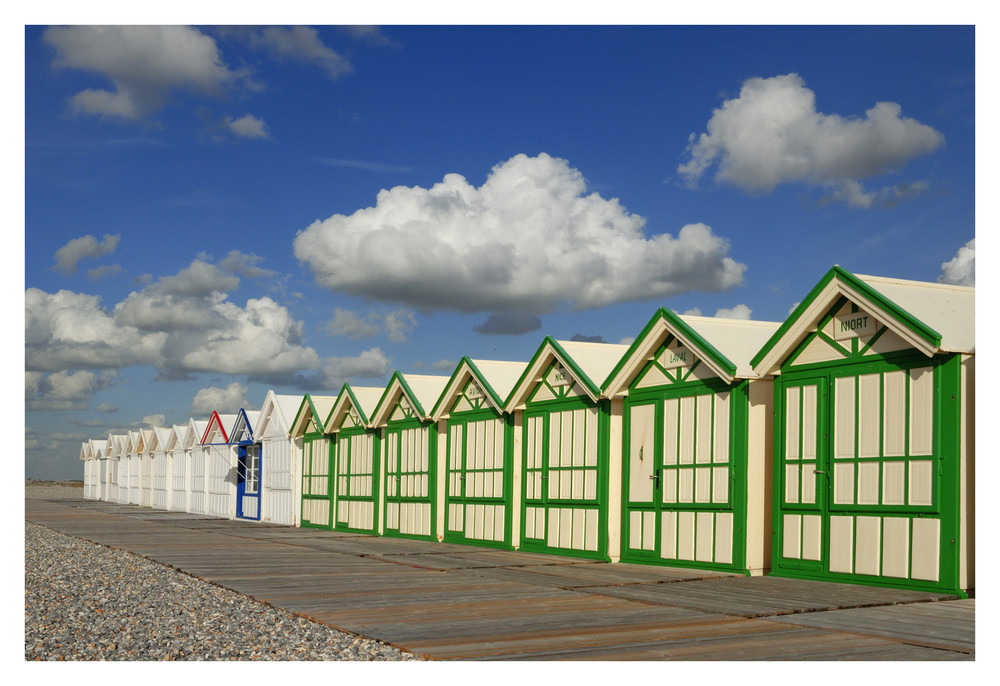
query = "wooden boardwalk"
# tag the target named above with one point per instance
(445, 601)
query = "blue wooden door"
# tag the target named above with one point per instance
(248, 481)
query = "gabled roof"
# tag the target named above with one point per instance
(496, 378)
(180, 438)
(725, 346)
(363, 399)
(931, 317)
(276, 414)
(161, 437)
(313, 408)
(196, 429)
(116, 443)
(587, 363)
(98, 448)
(215, 432)
(86, 449)
(242, 429)
(422, 392)
(147, 440)
(133, 442)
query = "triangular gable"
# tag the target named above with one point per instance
(215, 432)
(161, 440)
(243, 428)
(145, 441)
(355, 407)
(196, 430)
(409, 396)
(313, 410)
(179, 436)
(945, 308)
(723, 346)
(276, 415)
(86, 450)
(98, 448)
(566, 368)
(478, 384)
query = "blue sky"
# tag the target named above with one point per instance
(211, 212)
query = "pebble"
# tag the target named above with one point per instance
(84, 601)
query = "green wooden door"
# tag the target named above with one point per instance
(317, 494)
(409, 480)
(477, 506)
(357, 485)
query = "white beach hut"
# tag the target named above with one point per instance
(198, 466)
(280, 459)
(179, 456)
(220, 466)
(158, 446)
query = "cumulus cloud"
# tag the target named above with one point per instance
(300, 44)
(63, 390)
(222, 400)
(961, 269)
(772, 134)
(369, 364)
(508, 324)
(397, 324)
(181, 324)
(247, 126)
(245, 264)
(738, 312)
(68, 256)
(528, 240)
(98, 273)
(146, 64)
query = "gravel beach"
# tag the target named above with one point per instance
(84, 601)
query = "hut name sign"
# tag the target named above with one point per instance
(676, 357)
(852, 325)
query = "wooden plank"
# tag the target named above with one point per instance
(469, 602)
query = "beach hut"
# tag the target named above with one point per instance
(110, 479)
(409, 467)
(317, 494)
(145, 468)
(566, 442)
(478, 496)
(874, 453)
(158, 447)
(248, 465)
(90, 470)
(280, 459)
(134, 451)
(697, 444)
(220, 466)
(355, 465)
(198, 478)
(179, 456)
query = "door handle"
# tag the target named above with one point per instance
(818, 471)
(655, 476)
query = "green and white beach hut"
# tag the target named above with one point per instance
(356, 463)
(280, 459)
(874, 452)
(697, 444)
(409, 466)
(570, 441)
(317, 457)
(478, 498)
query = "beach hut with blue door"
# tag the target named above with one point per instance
(356, 446)
(248, 464)
(280, 459)
(220, 466)
(478, 499)
(570, 449)
(318, 494)
(697, 444)
(874, 450)
(409, 468)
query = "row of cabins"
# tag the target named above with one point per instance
(837, 445)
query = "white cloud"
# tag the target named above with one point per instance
(223, 400)
(528, 240)
(63, 390)
(181, 324)
(738, 312)
(445, 365)
(245, 264)
(247, 126)
(397, 324)
(300, 44)
(68, 256)
(961, 269)
(154, 420)
(145, 63)
(369, 364)
(772, 134)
